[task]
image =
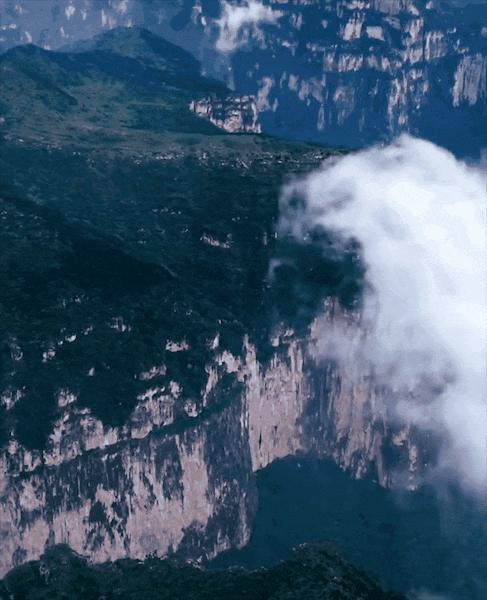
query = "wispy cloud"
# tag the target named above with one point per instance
(420, 218)
(239, 21)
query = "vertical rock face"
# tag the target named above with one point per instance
(154, 487)
(352, 73)
(177, 491)
(469, 80)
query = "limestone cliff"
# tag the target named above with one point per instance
(234, 114)
(155, 486)
(349, 72)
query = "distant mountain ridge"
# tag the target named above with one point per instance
(121, 81)
(338, 72)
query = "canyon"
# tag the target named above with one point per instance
(159, 346)
(345, 73)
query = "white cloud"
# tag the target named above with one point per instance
(420, 218)
(238, 22)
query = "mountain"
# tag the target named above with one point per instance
(151, 361)
(339, 73)
(54, 96)
(135, 256)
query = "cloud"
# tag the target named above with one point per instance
(238, 22)
(420, 218)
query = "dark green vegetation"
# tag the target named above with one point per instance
(125, 80)
(121, 232)
(425, 540)
(314, 573)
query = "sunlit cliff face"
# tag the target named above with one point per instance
(420, 218)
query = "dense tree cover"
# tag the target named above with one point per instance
(314, 573)
(128, 222)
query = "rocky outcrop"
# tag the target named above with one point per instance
(469, 80)
(234, 114)
(158, 486)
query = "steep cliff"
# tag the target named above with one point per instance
(137, 404)
(355, 72)
(150, 362)
(154, 487)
